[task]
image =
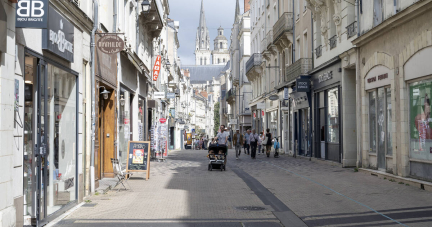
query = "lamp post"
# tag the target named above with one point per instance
(145, 6)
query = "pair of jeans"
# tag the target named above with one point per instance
(247, 146)
(259, 149)
(253, 149)
(238, 150)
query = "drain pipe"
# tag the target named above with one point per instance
(92, 52)
(114, 16)
(294, 38)
(357, 12)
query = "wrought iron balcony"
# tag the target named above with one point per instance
(333, 42)
(298, 68)
(254, 60)
(230, 95)
(351, 29)
(318, 51)
(282, 26)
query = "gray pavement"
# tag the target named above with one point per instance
(280, 192)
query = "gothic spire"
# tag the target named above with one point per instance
(237, 11)
(202, 23)
(203, 39)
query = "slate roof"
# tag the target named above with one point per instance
(201, 73)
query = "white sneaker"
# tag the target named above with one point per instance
(259, 153)
(236, 158)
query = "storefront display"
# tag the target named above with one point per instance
(420, 120)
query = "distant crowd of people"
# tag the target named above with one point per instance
(250, 141)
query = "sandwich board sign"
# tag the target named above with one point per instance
(138, 159)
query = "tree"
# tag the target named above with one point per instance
(216, 117)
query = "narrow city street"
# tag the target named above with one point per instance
(262, 192)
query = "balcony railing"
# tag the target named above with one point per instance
(254, 60)
(318, 51)
(230, 95)
(298, 68)
(269, 38)
(284, 24)
(351, 29)
(333, 42)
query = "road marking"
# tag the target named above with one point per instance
(370, 208)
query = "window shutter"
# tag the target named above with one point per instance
(377, 17)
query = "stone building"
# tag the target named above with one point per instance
(394, 73)
(220, 52)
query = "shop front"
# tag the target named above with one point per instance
(51, 154)
(272, 117)
(327, 121)
(300, 102)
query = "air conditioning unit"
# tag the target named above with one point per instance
(76, 2)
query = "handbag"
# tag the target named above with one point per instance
(265, 141)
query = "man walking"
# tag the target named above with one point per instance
(238, 141)
(247, 144)
(253, 137)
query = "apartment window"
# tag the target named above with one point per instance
(124, 18)
(377, 12)
(304, 6)
(297, 9)
(305, 45)
(298, 49)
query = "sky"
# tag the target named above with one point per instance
(187, 12)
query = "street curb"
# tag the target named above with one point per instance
(412, 182)
(61, 217)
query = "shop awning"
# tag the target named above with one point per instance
(3, 28)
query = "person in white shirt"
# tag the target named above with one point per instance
(222, 137)
(260, 139)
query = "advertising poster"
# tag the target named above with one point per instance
(138, 156)
(420, 120)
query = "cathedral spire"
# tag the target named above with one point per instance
(202, 23)
(237, 11)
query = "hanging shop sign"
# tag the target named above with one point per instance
(286, 94)
(303, 85)
(32, 14)
(254, 115)
(274, 97)
(110, 43)
(162, 120)
(106, 64)
(262, 113)
(233, 121)
(139, 157)
(159, 95)
(170, 95)
(156, 68)
(58, 38)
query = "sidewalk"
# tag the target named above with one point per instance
(261, 192)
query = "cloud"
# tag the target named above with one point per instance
(187, 12)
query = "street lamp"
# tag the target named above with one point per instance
(122, 101)
(145, 5)
(104, 92)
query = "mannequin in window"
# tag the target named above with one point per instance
(422, 123)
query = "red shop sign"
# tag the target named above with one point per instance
(156, 68)
(262, 113)
(126, 121)
(254, 115)
(162, 120)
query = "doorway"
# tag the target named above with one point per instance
(50, 139)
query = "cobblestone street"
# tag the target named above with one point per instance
(284, 192)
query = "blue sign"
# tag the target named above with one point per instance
(170, 96)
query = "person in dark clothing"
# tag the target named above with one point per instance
(253, 137)
(269, 143)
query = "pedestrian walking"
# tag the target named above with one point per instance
(268, 142)
(247, 138)
(200, 144)
(276, 147)
(260, 139)
(237, 142)
(254, 143)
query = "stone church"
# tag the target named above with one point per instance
(203, 54)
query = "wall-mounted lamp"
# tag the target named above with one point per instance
(122, 101)
(145, 5)
(104, 92)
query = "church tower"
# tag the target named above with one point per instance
(202, 42)
(220, 52)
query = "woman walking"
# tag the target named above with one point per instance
(260, 140)
(268, 143)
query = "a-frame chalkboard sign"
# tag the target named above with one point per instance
(139, 157)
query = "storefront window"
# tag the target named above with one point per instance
(381, 120)
(141, 119)
(124, 126)
(62, 107)
(420, 120)
(389, 122)
(333, 116)
(372, 122)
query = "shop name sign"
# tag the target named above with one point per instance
(303, 85)
(58, 38)
(110, 44)
(156, 68)
(380, 77)
(32, 14)
(325, 76)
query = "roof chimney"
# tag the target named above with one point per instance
(246, 5)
